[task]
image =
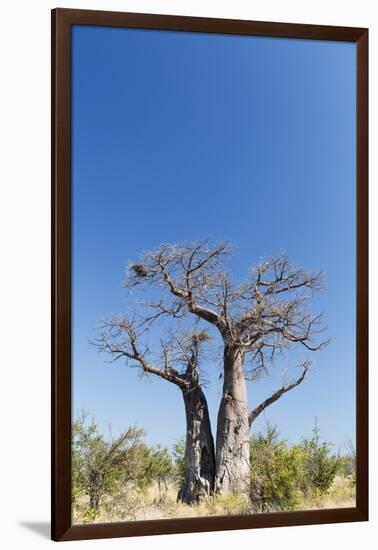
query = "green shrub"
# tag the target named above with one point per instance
(320, 467)
(89, 515)
(277, 472)
(101, 467)
(347, 466)
(178, 452)
(227, 505)
(347, 462)
(157, 466)
(283, 475)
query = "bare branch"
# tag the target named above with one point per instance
(180, 353)
(263, 316)
(119, 339)
(186, 350)
(275, 313)
(277, 275)
(186, 271)
(279, 393)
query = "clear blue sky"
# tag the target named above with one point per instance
(177, 136)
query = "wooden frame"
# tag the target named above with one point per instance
(62, 19)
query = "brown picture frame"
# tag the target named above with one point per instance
(62, 20)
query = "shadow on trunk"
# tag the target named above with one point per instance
(199, 449)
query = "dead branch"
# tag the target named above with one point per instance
(180, 354)
(279, 393)
(264, 316)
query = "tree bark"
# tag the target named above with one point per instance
(94, 500)
(199, 448)
(232, 447)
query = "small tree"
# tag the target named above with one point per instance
(159, 467)
(321, 468)
(277, 473)
(99, 467)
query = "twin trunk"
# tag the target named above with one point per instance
(232, 449)
(230, 471)
(199, 449)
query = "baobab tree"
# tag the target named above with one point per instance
(180, 359)
(257, 319)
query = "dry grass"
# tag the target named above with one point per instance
(341, 495)
(135, 504)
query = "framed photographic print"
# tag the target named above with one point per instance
(209, 274)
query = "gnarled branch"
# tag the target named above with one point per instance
(120, 338)
(279, 393)
(185, 271)
(264, 315)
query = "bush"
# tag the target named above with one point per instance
(320, 467)
(283, 475)
(348, 461)
(122, 479)
(178, 452)
(157, 466)
(227, 505)
(277, 472)
(347, 466)
(101, 467)
(89, 515)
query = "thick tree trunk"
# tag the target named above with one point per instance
(232, 447)
(199, 449)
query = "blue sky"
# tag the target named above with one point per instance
(180, 136)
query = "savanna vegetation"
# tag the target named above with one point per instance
(123, 479)
(189, 297)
